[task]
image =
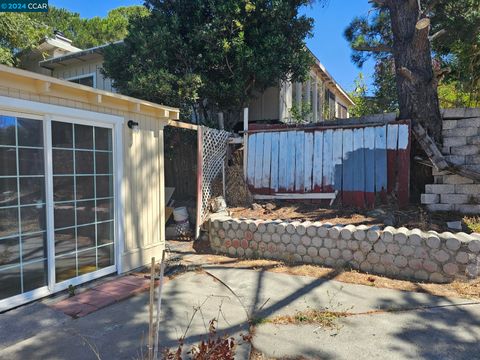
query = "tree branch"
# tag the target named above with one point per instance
(423, 23)
(374, 48)
(430, 7)
(440, 73)
(438, 34)
(406, 73)
(380, 3)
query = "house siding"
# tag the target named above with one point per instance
(143, 162)
(89, 67)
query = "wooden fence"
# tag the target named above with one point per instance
(360, 163)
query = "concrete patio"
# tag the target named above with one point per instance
(385, 323)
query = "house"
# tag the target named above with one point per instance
(325, 97)
(321, 94)
(81, 182)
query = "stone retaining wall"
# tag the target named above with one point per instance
(400, 253)
(461, 146)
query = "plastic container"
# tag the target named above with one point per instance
(180, 214)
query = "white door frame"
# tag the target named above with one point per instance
(48, 112)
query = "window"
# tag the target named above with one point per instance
(87, 80)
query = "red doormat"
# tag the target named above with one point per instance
(102, 295)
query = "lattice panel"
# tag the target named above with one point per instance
(214, 151)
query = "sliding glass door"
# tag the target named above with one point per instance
(83, 199)
(23, 247)
(77, 184)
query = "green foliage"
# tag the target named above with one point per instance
(86, 33)
(18, 32)
(23, 31)
(301, 114)
(472, 223)
(210, 56)
(364, 104)
(458, 49)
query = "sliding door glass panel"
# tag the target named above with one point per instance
(83, 199)
(23, 255)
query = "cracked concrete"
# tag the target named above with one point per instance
(387, 323)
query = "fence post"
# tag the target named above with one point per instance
(199, 180)
(221, 124)
(245, 142)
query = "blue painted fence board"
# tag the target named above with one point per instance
(274, 166)
(380, 159)
(318, 161)
(267, 158)
(351, 159)
(282, 160)
(369, 145)
(308, 162)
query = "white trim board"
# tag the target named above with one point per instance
(40, 108)
(288, 196)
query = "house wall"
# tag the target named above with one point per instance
(85, 68)
(266, 105)
(461, 146)
(143, 162)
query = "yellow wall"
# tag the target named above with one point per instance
(143, 184)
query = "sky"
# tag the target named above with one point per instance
(327, 43)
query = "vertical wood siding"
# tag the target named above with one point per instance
(143, 184)
(362, 163)
(92, 67)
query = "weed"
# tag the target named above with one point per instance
(472, 223)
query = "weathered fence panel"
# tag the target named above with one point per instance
(363, 163)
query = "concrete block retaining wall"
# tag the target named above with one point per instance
(461, 146)
(400, 253)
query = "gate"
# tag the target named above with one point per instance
(212, 151)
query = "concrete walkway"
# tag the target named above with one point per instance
(410, 325)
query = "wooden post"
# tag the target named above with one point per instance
(150, 310)
(199, 180)
(159, 306)
(245, 142)
(221, 124)
(298, 94)
(315, 101)
(308, 95)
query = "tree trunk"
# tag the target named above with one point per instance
(416, 81)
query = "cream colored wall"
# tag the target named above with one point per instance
(89, 67)
(266, 106)
(143, 183)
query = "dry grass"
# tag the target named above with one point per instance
(463, 289)
(324, 318)
(411, 217)
(257, 355)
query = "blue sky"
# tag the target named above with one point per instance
(328, 43)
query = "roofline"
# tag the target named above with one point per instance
(47, 85)
(330, 77)
(99, 48)
(96, 49)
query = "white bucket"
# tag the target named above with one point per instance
(180, 214)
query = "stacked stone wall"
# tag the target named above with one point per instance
(461, 146)
(399, 253)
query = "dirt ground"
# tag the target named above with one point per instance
(411, 217)
(463, 289)
(189, 257)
